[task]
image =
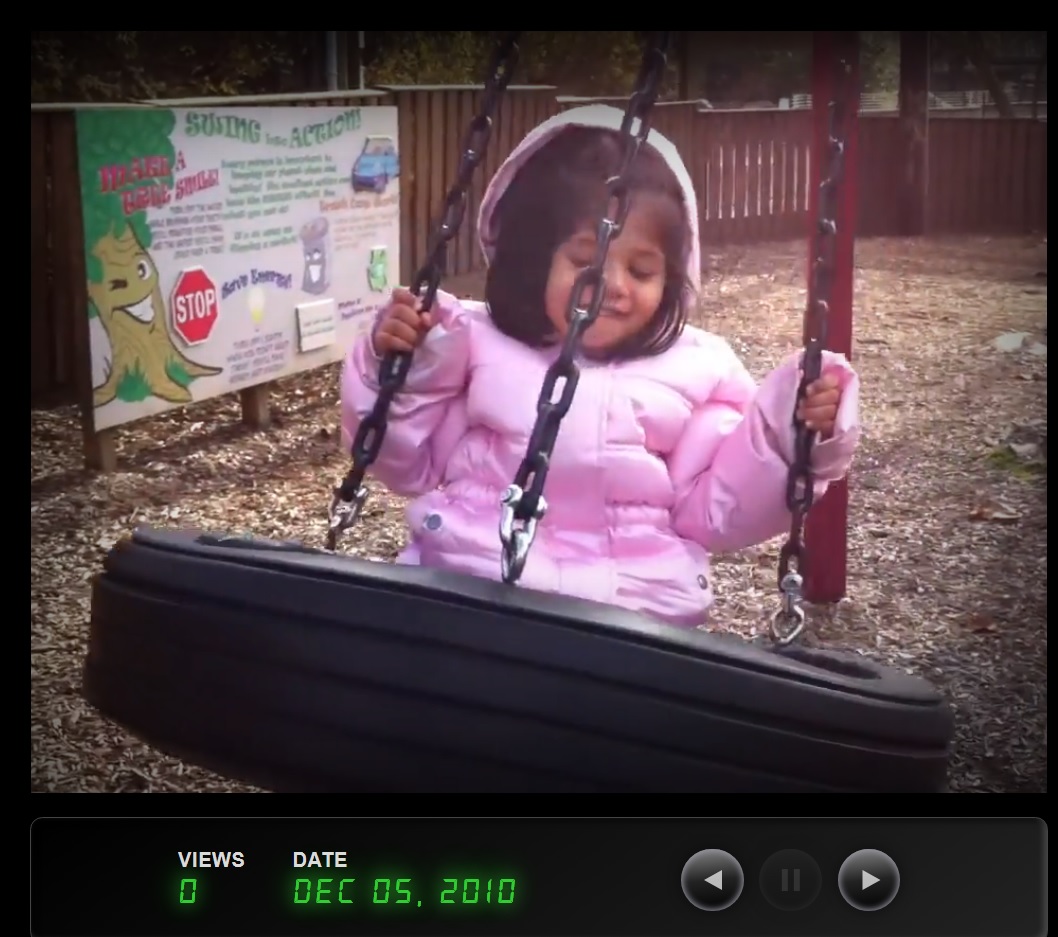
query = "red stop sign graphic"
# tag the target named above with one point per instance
(194, 306)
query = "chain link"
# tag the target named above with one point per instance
(789, 621)
(348, 499)
(523, 504)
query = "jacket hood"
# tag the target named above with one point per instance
(592, 115)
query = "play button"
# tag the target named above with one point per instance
(712, 880)
(868, 880)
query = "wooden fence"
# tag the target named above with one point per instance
(750, 171)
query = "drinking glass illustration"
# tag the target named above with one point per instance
(256, 301)
(378, 270)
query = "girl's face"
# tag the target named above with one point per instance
(635, 277)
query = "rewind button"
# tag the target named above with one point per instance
(712, 880)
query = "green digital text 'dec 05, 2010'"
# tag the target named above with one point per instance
(455, 892)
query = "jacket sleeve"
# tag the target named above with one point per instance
(427, 417)
(731, 464)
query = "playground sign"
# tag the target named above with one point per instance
(215, 237)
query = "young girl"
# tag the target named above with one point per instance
(669, 450)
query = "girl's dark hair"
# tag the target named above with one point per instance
(561, 188)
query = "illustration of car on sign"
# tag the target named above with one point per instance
(377, 163)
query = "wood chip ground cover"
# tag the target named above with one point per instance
(947, 526)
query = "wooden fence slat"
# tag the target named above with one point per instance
(727, 182)
(754, 161)
(449, 163)
(1007, 152)
(43, 376)
(477, 192)
(791, 145)
(1035, 204)
(67, 238)
(434, 170)
(710, 147)
(420, 179)
(468, 252)
(409, 222)
(947, 161)
(794, 169)
(767, 178)
(979, 177)
(969, 195)
(989, 200)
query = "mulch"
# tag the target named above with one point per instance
(947, 520)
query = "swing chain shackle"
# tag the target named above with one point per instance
(521, 538)
(347, 502)
(522, 505)
(789, 620)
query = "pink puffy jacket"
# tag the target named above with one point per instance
(659, 461)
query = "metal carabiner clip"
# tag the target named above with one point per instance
(792, 615)
(343, 514)
(516, 541)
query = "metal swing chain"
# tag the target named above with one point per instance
(348, 499)
(523, 504)
(789, 621)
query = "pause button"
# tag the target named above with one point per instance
(790, 880)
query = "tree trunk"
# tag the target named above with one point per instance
(978, 56)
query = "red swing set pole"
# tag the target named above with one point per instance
(826, 527)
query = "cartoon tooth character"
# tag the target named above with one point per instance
(314, 243)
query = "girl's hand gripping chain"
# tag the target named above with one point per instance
(402, 326)
(819, 408)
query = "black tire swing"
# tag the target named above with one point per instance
(301, 669)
